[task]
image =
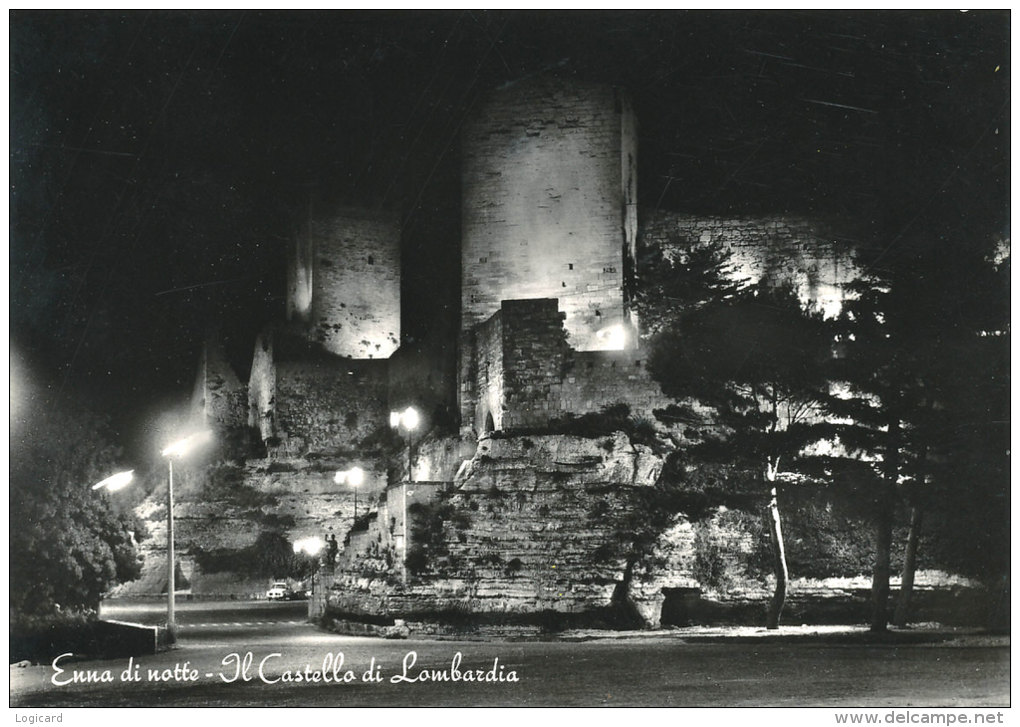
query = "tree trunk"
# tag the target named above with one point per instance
(883, 533)
(909, 567)
(778, 558)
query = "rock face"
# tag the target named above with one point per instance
(222, 510)
(530, 525)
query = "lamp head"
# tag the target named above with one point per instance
(182, 446)
(116, 482)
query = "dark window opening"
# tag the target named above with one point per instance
(371, 260)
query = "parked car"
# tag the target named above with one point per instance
(279, 592)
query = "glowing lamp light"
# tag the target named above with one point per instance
(408, 419)
(182, 446)
(613, 337)
(355, 476)
(116, 482)
(310, 545)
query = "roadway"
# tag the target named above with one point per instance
(263, 654)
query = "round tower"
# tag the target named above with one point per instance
(344, 282)
(549, 205)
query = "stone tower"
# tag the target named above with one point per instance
(549, 205)
(343, 282)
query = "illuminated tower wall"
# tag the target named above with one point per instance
(343, 282)
(549, 205)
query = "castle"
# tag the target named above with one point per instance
(551, 235)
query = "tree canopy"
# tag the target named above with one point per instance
(68, 543)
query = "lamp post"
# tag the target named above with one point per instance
(177, 449)
(408, 421)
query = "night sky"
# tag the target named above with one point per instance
(160, 161)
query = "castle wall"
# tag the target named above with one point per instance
(489, 374)
(325, 407)
(223, 509)
(535, 352)
(262, 388)
(527, 375)
(775, 248)
(304, 401)
(344, 282)
(549, 186)
(422, 375)
(219, 400)
(595, 379)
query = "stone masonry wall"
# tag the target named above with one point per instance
(489, 375)
(774, 248)
(527, 375)
(220, 399)
(595, 379)
(545, 203)
(262, 388)
(344, 282)
(540, 523)
(422, 374)
(328, 405)
(535, 352)
(305, 401)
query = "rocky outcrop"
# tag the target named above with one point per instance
(532, 524)
(224, 508)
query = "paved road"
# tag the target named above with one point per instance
(192, 615)
(642, 671)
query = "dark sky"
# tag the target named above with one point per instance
(160, 160)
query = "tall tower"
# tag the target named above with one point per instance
(343, 282)
(549, 205)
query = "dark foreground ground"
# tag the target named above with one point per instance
(799, 666)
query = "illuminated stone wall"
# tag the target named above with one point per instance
(304, 401)
(526, 374)
(548, 206)
(343, 282)
(775, 248)
(262, 388)
(220, 399)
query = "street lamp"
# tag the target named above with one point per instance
(353, 477)
(178, 449)
(407, 420)
(116, 482)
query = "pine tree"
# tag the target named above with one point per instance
(911, 344)
(759, 361)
